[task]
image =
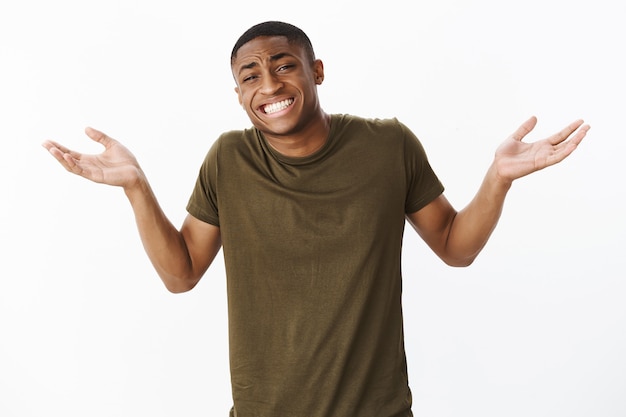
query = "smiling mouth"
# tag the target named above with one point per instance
(276, 107)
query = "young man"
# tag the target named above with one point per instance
(310, 211)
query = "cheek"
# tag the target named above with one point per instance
(246, 104)
(245, 97)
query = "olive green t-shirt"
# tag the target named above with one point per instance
(312, 250)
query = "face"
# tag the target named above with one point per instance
(277, 85)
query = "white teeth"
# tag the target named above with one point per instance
(274, 107)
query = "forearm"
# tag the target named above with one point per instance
(471, 227)
(458, 237)
(163, 243)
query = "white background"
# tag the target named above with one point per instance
(536, 327)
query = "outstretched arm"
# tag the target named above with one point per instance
(458, 237)
(179, 257)
(115, 166)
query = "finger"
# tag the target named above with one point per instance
(580, 135)
(575, 139)
(66, 159)
(58, 151)
(54, 150)
(99, 137)
(524, 129)
(564, 149)
(566, 132)
(49, 145)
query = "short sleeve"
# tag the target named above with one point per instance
(423, 185)
(202, 203)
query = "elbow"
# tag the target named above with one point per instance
(459, 262)
(178, 289)
(459, 257)
(177, 285)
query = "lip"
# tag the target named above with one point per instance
(261, 107)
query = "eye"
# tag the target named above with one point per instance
(249, 78)
(284, 67)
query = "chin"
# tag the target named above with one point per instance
(278, 126)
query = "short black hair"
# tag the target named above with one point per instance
(275, 28)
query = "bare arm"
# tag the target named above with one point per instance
(458, 237)
(179, 257)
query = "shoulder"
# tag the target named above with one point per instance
(232, 141)
(233, 138)
(385, 131)
(373, 124)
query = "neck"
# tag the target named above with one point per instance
(306, 142)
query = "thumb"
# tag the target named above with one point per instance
(98, 136)
(524, 129)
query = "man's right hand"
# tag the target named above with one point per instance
(115, 166)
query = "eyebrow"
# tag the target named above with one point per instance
(273, 58)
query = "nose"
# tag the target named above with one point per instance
(270, 84)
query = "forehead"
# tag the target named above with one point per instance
(265, 47)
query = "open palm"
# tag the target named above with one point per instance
(515, 158)
(116, 165)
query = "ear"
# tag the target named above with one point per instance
(239, 96)
(318, 71)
